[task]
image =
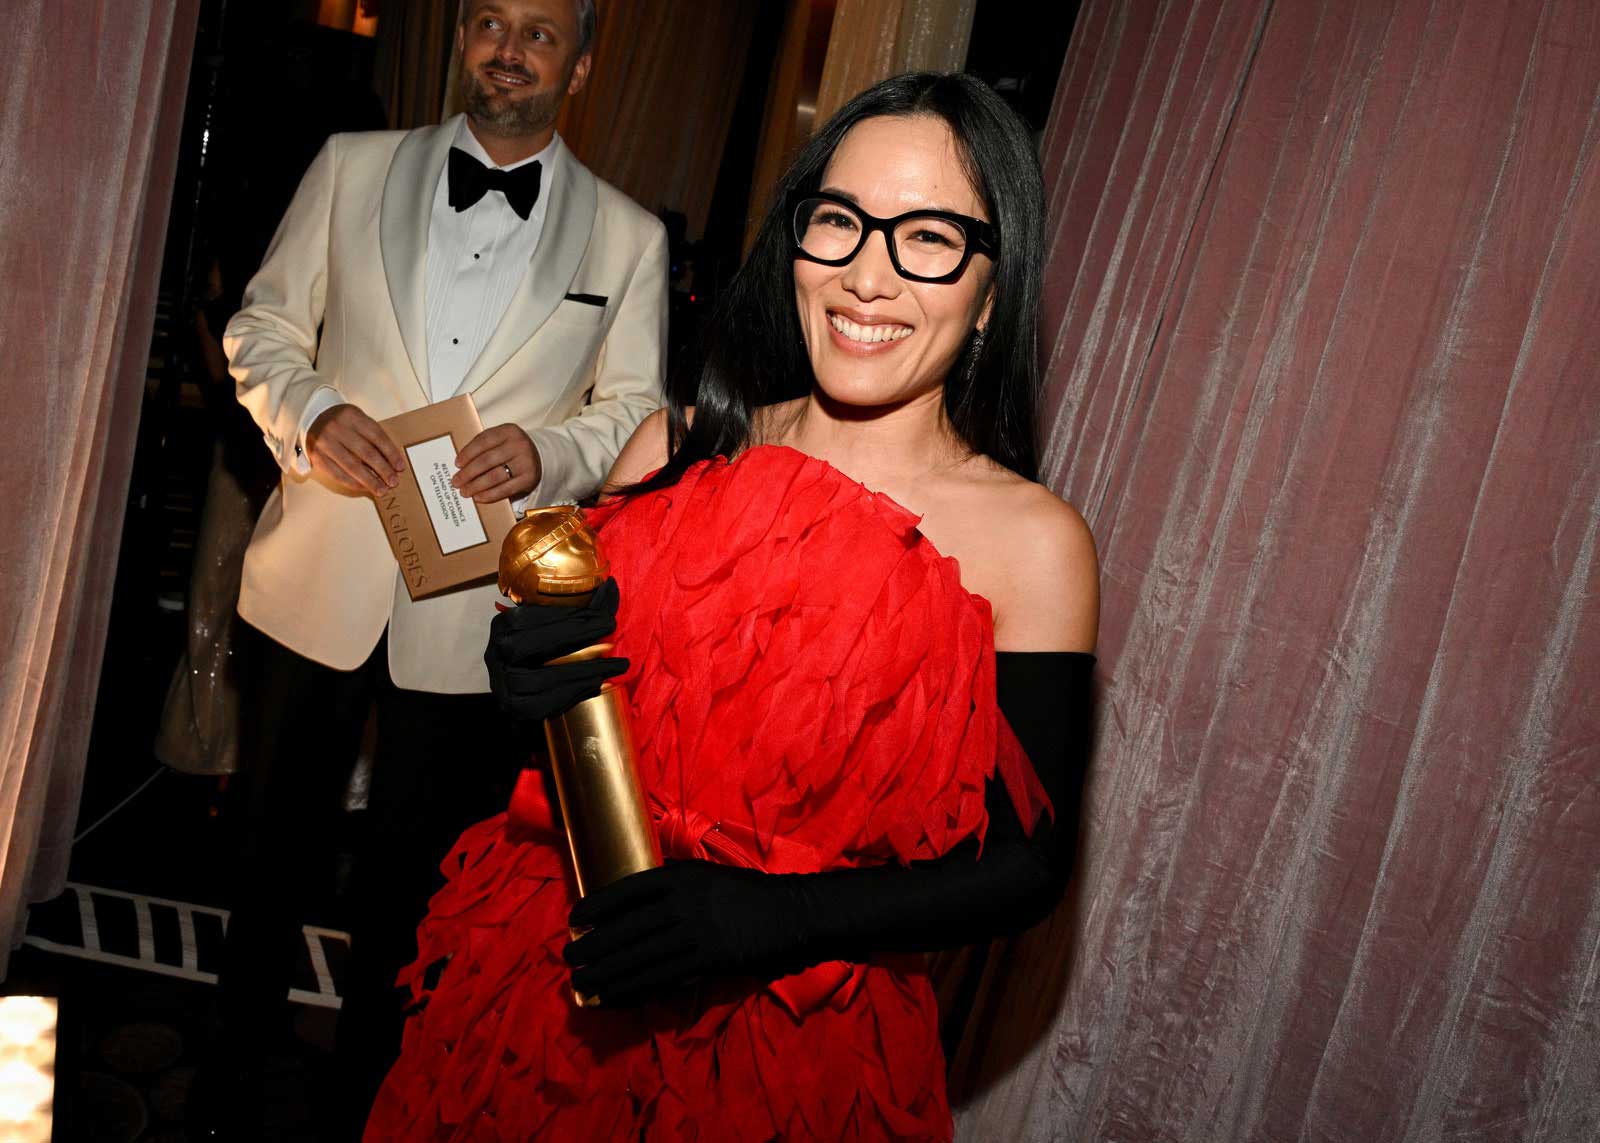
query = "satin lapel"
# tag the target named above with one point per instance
(567, 226)
(403, 234)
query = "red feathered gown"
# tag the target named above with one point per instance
(811, 688)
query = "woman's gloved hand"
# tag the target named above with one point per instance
(655, 931)
(523, 640)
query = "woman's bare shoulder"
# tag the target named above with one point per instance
(1040, 568)
(645, 451)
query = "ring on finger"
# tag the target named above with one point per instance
(509, 474)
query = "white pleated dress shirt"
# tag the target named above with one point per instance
(476, 260)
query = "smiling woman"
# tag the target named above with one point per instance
(876, 332)
(811, 591)
(950, 146)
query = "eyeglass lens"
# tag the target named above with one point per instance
(926, 246)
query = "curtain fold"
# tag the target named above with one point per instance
(790, 113)
(830, 53)
(1323, 313)
(654, 117)
(414, 67)
(86, 199)
(874, 39)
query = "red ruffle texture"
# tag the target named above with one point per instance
(808, 672)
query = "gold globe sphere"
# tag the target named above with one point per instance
(552, 556)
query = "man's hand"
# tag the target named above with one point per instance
(352, 450)
(499, 463)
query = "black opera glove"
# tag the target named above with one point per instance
(657, 930)
(523, 640)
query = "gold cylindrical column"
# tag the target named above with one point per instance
(592, 758)
(552, 557)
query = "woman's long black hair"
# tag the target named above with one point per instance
(752, 352)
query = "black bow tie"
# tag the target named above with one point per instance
(470, 180)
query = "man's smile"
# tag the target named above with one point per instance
(506, 78)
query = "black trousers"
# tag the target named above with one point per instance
(442, 763)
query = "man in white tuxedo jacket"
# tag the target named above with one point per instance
(474, 257)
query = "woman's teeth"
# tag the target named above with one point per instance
(868, 333)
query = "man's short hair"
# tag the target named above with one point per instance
(586, 19)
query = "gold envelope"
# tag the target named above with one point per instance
(440, 539)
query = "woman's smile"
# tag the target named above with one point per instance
(857, 333)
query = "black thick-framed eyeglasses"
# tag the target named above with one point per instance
(924, 245)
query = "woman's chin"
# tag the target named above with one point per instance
(865, 397)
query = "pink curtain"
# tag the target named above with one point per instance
(413, 69)
(93, 101)
(1323, 341)
(655, 114)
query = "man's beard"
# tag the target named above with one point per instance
(512, 116)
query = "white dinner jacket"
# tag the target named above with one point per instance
(576, 361)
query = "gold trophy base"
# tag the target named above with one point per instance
(602, 803)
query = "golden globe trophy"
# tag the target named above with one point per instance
(552, 557)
